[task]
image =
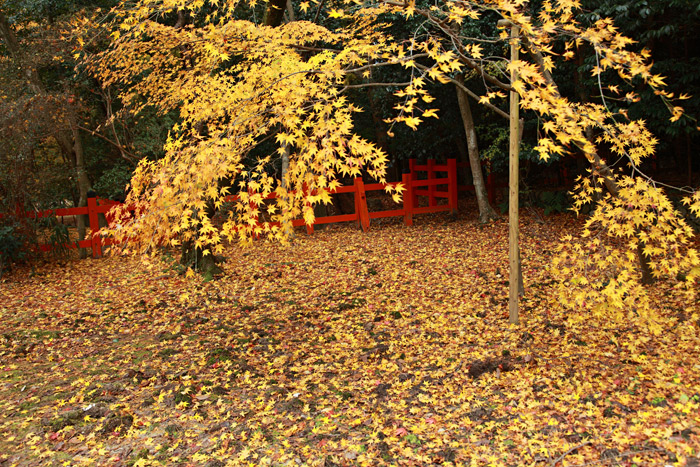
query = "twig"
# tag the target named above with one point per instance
(569, 451)
(318, 11)
(366, 85)
(132, 158)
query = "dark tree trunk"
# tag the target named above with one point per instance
(192, 257)
(274, 13)
(83, 180)
(486, 212)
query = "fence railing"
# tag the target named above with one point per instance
(430, 186)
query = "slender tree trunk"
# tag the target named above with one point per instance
(290, 11)
(486, 212)
(12, 44)
(81, 174)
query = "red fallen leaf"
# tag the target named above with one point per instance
(430, 421)
(53, 436)
(401, 431)
(322, 443)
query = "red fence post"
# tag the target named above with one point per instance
(414, 176)
(491, 187)
(452, 187)
(431, 188)
(407, 197)
(94, 227)
(361, 204)
(356, 196)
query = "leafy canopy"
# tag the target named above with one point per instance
(237, 84)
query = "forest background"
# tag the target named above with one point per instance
(63, 128)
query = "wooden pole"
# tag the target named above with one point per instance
(513, 203)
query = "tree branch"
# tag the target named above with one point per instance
(471, 94)
(375, 65)
(367, 85)
(569, 451)
(126, 155)
(318, 11)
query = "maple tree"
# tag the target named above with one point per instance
(236, 84)
(269, 90)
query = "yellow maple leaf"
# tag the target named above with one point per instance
(335, 13)
(412, 122)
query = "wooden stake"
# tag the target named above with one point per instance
(513, 221)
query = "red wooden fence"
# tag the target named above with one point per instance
(95, 207)
(430, 186)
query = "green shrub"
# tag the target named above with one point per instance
(58, 236)
(12, 243)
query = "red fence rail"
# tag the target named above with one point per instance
(430, 186)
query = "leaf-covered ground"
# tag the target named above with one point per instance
(390, 347)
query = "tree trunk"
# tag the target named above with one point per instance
(290, 11)
(12, 44)
(274, 13)
(192, 257)
(486, 212)
(81, 174)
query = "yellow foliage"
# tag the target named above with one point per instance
(236, 84)
(600, 271)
